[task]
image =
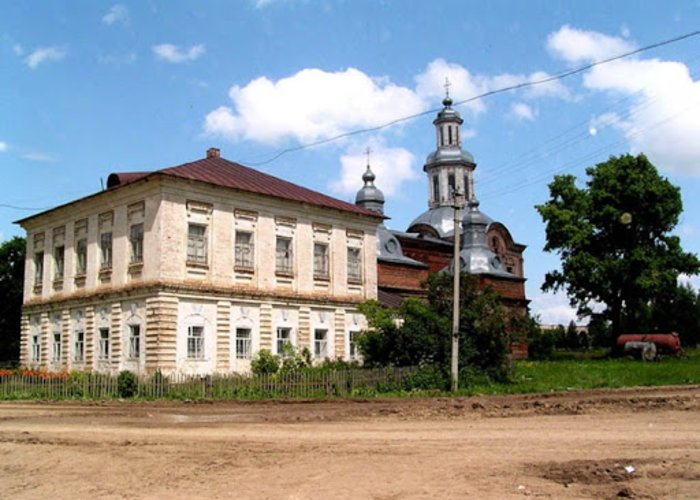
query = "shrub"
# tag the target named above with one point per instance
(264, 363)
(126, 384)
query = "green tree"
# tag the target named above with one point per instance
(679, 312)
(614, 239)
(12, 254)
(419, 333)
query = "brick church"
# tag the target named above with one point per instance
(405, 258)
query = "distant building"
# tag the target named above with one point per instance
(193, 269)
(487, 248)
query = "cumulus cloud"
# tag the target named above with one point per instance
(310, 105)
(3, 146)
(174, 54)
(392, 167)
(661, 120)
(313, 104)
(553, 308)
(578, 46)
(45, 54)
(521, 111)
(117, 13)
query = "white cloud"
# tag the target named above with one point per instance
(3, 146)
(174, 54)
(313, 104)
(553, 308)
(17, 49)
(391, 166)
(522, 111)
(310, 105)
(661, 120)
(117, 13)
(45, 54)
(117, 59)
(40, 157)
(694, 281)
(577, 46)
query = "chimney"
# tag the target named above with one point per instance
(213, 153)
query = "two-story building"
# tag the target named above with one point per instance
(192, 269)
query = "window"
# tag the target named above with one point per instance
(436, 188)
(352, 347)
(59, 258)
(106, 250)
(466, 188)
(103, 347)
(56, 347)
(36, 348)
(320, 344)
(283, 255)
(321, 260)
(136, 240)
(79, 346)
(134, 341)
(197, 243)
(38, 268)
(243, 343)
(451, 184)
(195, 342)
(81, 256)
(244, 257)
(284, 337)
(449, 135)
(354, 265)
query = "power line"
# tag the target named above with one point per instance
(501, 90)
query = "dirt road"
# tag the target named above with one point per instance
(641, 443)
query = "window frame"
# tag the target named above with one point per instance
(104, 352)
(79, 346)
(243, 344)
(284, 264)
(240, 260)
(36, 348)
(195, 343)
(134, 341)
(136, 235)
(354, 264)
(321, 344)
(197, 244)
(56, 347)
(81, 256)
(59, 264)
(106, 251)
(38, 268)
(280, 341)
(324, 272)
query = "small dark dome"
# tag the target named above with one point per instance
(368, 176)
(447, 101)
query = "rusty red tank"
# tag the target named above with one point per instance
(649, 345)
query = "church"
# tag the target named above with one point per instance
(194, 268)
(487, 250)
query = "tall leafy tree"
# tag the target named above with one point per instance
(614, 237)
(11, 285)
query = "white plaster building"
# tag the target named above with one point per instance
(192, 269)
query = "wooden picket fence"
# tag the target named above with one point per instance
(293, 384)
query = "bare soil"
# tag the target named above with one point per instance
(633, 443)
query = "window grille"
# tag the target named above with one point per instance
(56, 347)
(321, 264)
(106, 250)
(136, 241)
(195, 342)
(354, 265)
(59, 257)
(244, 251)
(134, 341)
(284, 255)
(320, 344)
(284, 336)
(36, 349)
(243, 343)
(81, 255)
(38, 268)
(197, 243)
(79, 346)
(104, 344)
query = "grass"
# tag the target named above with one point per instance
(577, 374)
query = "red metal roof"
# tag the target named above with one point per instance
(221, 172)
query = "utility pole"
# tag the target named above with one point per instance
(456, 270)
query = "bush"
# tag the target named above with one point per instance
(126, 384)
(264, 363)
(541, 345)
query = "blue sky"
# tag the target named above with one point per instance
(90, 88)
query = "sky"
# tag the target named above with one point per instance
(88, 88)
